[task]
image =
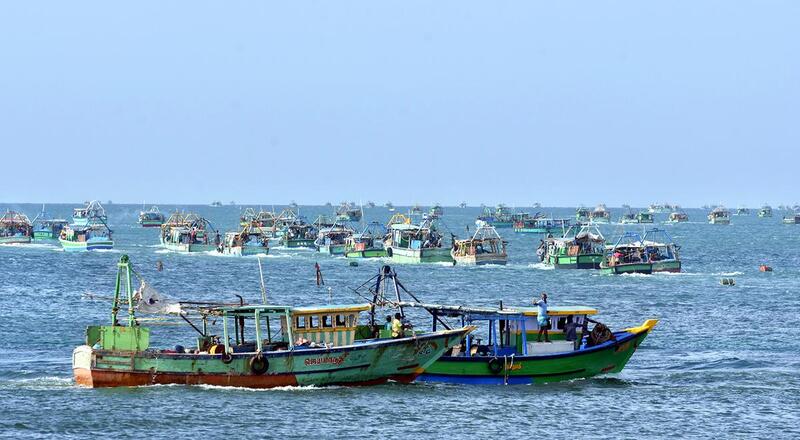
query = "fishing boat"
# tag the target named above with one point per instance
(435, 212)
(366, 244)
(189, 233)
(645, 217)
(542, 225)
(216, 204)
(485, 247)
(416, 209)
(152, 218)
(719, 216)
(765, 211)
(92, 211)
(678, 217)
(462, 205)
(792, 219)
(15, 228)
(250, 240)
(742, 210)
(332, 240)
(499, 218)
(348, 212)
(582, 215)
(629, 217)
(389, 206)
(577, 249)
(657, 208)
(257, 346)
(47, 228)
(504, 349)
(299, 234)
(600, 214)
(537, 205)
(655, 252)
(406, 242)
(370, 204)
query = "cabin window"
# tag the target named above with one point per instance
(327, 321)
(341, 321)
(301, 322)
(313, 321)
(560, 322)
(351, 320)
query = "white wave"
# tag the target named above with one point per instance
(107, 251)
(541, 266)
(288, 388)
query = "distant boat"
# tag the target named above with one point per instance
(347, 212)
(577, 249)
(216, 204)
(370, 204)
(719, 216)
(484, 247)
(366, 244)
(677, 217)
(765, 211)
(655, 252)
(249, 240)
(499, 218)
(742, 210)
(582, 215)
(410, 243)
(600, 214)
(152, 218)
(47, 228)
(542, 225)
(389, 206)
(88, 230)
(15, 228)
(793, 219)
(189, 233)
(462, 205)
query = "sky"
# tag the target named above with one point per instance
(514, 102)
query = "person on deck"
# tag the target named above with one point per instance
(388, 325)
(542, 318)
(397, 326)
(571, 331)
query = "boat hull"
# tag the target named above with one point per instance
(151, 223)
(720, 221)
(586, 261)
(427, 255)
(480, 260)
(243, 251)
(84, 246)
(643, 268)
(15, 240)
(366, 253)
(44, 235)
(331, 249)
(369, 363)
(189, 247)
(299, 243)
(608, 358)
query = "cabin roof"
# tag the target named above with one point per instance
(306, 310)
(510, 311)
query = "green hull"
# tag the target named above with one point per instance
(299, 243)
(331, 249)
(414, 256)
(587, 261)
(607, 358)
(44, 235)
(366, 253)
(364, 363)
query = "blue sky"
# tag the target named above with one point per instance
(518, 101)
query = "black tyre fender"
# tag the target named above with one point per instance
(389, 252)
(495, 365)
(259, 364)
(226, 358)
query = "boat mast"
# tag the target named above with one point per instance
(124, 264)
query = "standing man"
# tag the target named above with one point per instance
(542, 317)
(397, 326)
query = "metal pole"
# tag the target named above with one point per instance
(263, 286)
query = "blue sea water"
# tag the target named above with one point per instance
(722, 362)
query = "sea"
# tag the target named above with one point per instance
(723, 361)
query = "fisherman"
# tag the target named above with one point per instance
(397, 326)
(542, 318)
(388, 325)
(571, 331)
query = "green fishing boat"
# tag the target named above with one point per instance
(542, 225)
(504, 349)
(499, 218)
(366, 244)
(582, 214)
(577, 249)
(410, 243)
(257, 346)
(299, 234)
(765, 211)
(90, 233)
(655, 252)
(15, 228)
(46, 227)
(189, 233)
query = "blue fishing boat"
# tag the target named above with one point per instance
(47, 228)
(499, 218)
(93, 211)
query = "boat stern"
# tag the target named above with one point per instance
(82, 365)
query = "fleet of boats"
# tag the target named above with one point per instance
(265, 345)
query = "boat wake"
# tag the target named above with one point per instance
(541, 266)
(38, 383)
(30, 245)
(288, 388)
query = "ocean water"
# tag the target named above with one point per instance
(722, 362)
